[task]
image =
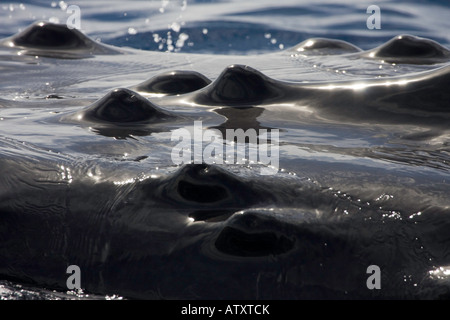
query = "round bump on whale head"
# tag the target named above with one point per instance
(49, 35)
(192, 188)
(200, 183)
(324, 46)
(124, 106)
(410, 49)
(209, 186)
(174, 82)
(56, 40)
(239, 85)
(252, 235)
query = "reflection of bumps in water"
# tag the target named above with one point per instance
(241, 86)
(324, 46)
(50, 36)
(255, 235)
(411, 49)
(124, 106)
(174, 82)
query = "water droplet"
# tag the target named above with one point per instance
(63, 5)
(175, 26)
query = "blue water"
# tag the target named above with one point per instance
(230, 27)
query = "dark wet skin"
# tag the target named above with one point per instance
(124, 106)
(411, 49)
(239, 85)
(173, 83)
(242, 86)
(56, 40)
(323, 46)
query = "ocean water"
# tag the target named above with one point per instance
(358, 173)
